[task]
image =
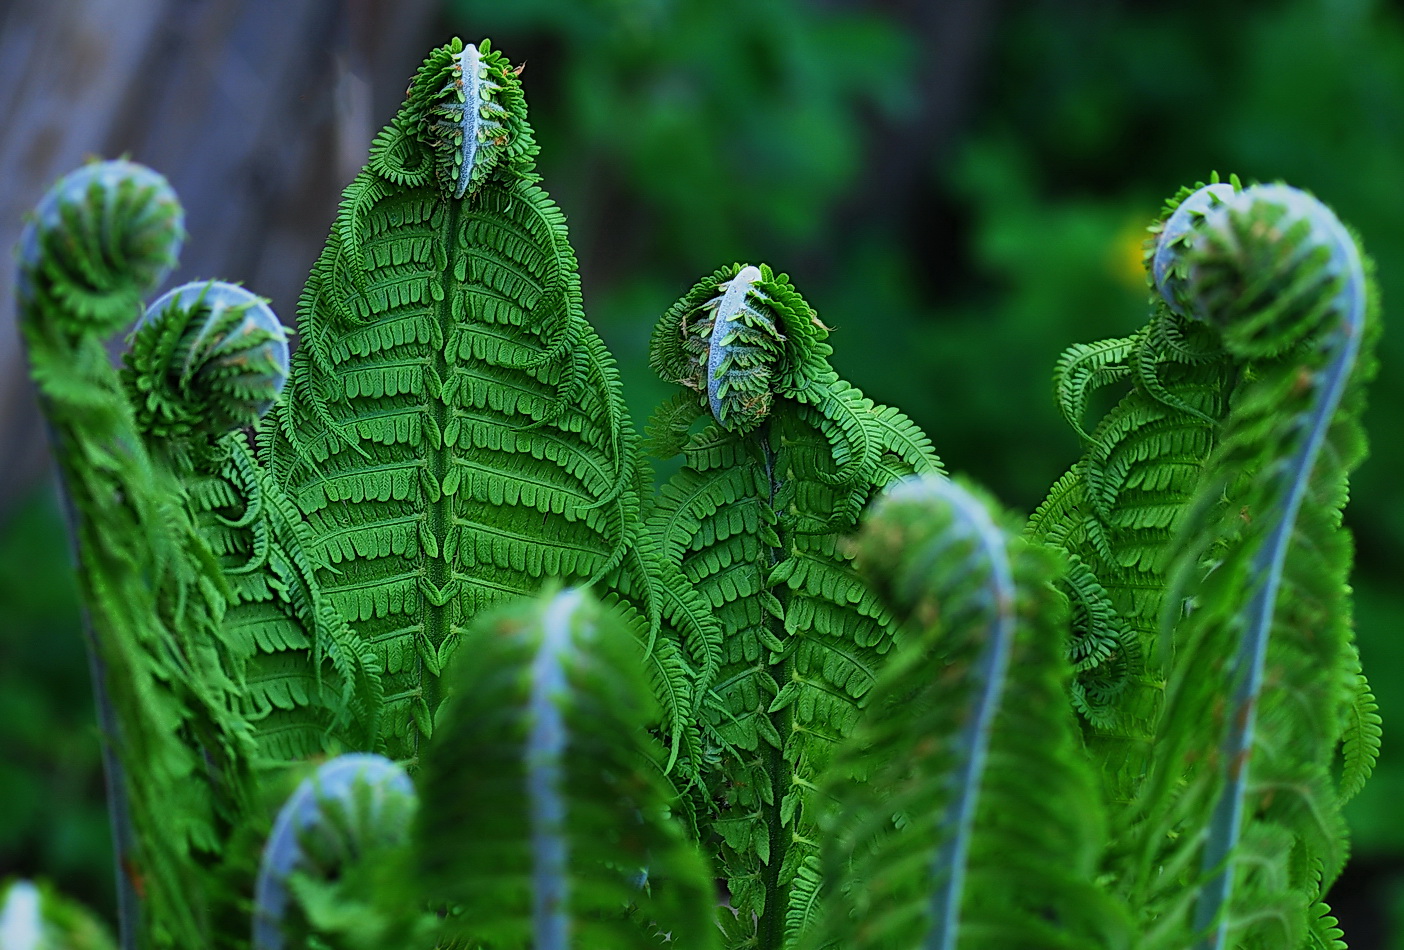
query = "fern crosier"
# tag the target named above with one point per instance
(178, 757)
(454, 431)
(752, 521)
(546, 819)
(1249, 791)
(354, 810)
(207, 359)
(964, 813)
(1114, 513)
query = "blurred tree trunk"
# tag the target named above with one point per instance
(258, 113)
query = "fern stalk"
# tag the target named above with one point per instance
(964, 814)
(1244, 790)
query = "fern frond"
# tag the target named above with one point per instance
(1115, 512)
(752, 522)
(1360, 743)
(207, 358)
(309, 687)
(969, 742)
(1246, 788)
(177, 757)
(318, 866)
(1085, 368)
(545, 818)
(454, 432)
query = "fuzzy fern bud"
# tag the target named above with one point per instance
(740, 337)
(100, 240)
(464, 119)
(1272, 265)
(207, 357)
(1178, 235)
(353, 807)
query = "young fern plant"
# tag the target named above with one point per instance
(1270, 725)
(787, 456)
(577, 713)
(965, 812)
(178, 756)
(1114, 513)
(454, 432)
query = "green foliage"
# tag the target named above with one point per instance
(969, 725)
(1133, 727)
(455, 433)
(789, 459)
(1114, 513)
(564, 835)
(35, 918)
(101, 237)
(1286, 283)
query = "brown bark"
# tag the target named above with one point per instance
(257, 112)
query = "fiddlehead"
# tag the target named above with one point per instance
(546, 818)
(1264, 564)
(207, 357)
(351, 814)
(100, 240)
(453, 429)
(1114, 514)
(154, 596)
(967, 728)
(752, 523)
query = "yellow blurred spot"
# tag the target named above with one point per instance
(1126, 255)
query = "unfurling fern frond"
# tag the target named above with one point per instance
(454, 431)
(177, 756)
(546, 817)
(1243, 813)
(752, 521)
(329, 864)
(207, 359)
(100, 240)
(1114, 514)
(965, 815)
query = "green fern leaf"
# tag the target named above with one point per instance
(752, 522)
(453, 429)
(1114, 514)
(207, 358)
(177, 756)
(968, 741)
(546, 817)
(1245, 788)
(1360, 744)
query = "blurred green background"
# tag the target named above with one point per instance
(960, 188)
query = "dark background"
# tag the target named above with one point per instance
(960, 187)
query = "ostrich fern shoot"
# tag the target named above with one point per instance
(396, 643)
